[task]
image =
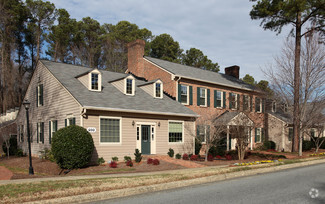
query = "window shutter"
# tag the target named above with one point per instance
(208, 133)
(55, 125)
(42, 127)
(41, 94)
(73, 121)
(198, 96)
(191, 95)
(224, 99)
(255, 134)
(263, 101)
(197, 131)
(255, 104)
(50, 132)
(179, 93)
(230, 100)
(229, 142)
(37, 132)
(65, 122)
(208, 97)
(238, 101)
(262, 135)
(215, 98)
(251, 103)
(36, 96)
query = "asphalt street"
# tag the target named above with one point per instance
(298, 185)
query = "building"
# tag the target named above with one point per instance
(8, 126)
(121, 112)
(209, 94)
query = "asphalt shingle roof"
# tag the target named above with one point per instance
(200, 74)
(110, 96)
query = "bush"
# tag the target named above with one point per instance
(127, 158)
(149, 161)
(72, 147)
(218, 157)
(228, 157)
(185, 157)
(170, 153)
(210, 157)
(100, 161)
(20, 153)
(194, 157)
(155, 162)
(198, 146)
(129, 163)
(115, 159)
(137, 155)
(307, 145)
(178, 156)
(113, 164)
(268, 145)
(13, 146)
(214, 151)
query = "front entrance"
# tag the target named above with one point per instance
(145, 139)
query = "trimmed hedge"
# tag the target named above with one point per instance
(72, 147)
(269, 145)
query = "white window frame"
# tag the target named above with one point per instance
(248, 103)
(133, 85)
(187, 95)
(205, 97)
(52, 132)
(39, 130)
(260, 131)
(99, 80)
(110, 143)
(236, 101)
(39, 95)
(205, 134)
(183, 135)
(161, 89)
(259, 105)
(221, 95)
(70, 117)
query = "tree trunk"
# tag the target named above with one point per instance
(38, 46)
(296, 121)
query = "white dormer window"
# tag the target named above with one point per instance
(158, 90)
(129, 85)
(95, 80)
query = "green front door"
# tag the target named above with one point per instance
(145, 139)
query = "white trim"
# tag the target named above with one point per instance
(222, 92)
(255, 141)
(260, 105)
(187, 95)
(110, 143)
(139, 111)
(95, 71)
(161, 89)
(173, 143)
(133, 85)
(205, 97)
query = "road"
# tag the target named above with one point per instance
(287, 186)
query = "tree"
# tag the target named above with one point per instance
(311, 82)
(264, 86)
(195, 58)
(43, 16)
(308, 14)
(164, 47)
(249, 79)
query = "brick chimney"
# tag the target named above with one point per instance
(135, 57)
(232, 71)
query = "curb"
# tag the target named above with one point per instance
(177, 184)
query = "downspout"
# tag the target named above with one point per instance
(179, 78)
(82, 114)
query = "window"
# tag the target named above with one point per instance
(40, 132)
(219, 101)
(312, 132)
(94, 81)
(233, 101)
(184, 94)
(258, 135)
(273, 106)
(203, 97)
(158, 90)
(290, 136)
(70, 121)
(203, 132)
(53, 127)
(285, 107)
(129, 86)
(258, 105)
(175, 131)
(39, 95)
(246, 103)
(21, 133)
(110, 130)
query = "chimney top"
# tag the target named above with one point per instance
(232, 71)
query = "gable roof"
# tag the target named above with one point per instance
(229, 118)
(201, 75)
(110, 98)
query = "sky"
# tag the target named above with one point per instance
(221, 29)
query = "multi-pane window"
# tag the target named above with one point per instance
(258, 105)
(218, 99)
(203, 132)
(53, 125)
(175, 131)
(203, 97)
(290, 136)
(312, 132)
(94, 81)
(258, 135)
(233, 100)
(70, 121)
(285, 107)
(184, 94)
(40, 132)
(129, 86)
(158, 90)
(246, 103)
(39, 95)
(110, 130)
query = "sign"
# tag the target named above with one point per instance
(91, 129)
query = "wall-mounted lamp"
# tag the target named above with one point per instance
(133, 123)
(158, 124)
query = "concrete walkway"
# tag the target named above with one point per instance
(5, 174)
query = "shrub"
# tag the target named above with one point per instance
(137, 155)
(271, 150)
(127, 158)
(194, 157)
(129, 163)
(178, 156)
(149, 161)
(19, 153)
(115, 159)
(214, 151)
(100, 161)
(228, 157)
(218, 157)
(307, 145)
(170, 152)
(155, 162)
(185, 157)
(210, 157)
(268, 145)
(113, 164)
(13, 146)
(198, 146)
(72, 147)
